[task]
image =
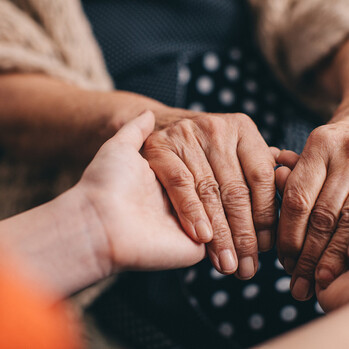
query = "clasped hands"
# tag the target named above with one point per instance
(218, 174)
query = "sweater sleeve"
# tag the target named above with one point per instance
(297, 35)
(52, 38)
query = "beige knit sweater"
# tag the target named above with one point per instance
(54, 37)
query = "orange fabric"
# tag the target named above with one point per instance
(28, 321)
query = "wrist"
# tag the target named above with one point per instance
(61, 244)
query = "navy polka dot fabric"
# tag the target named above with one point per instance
(249, 312)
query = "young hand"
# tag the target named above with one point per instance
(132, 208)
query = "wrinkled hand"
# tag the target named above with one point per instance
(336, 294)
(218, 173)
(313, 232)
(131, 206)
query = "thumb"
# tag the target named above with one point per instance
(281, 175)
(136, 131)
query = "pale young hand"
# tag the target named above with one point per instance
(219, 175)
(132, 208)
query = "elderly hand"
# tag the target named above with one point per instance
(131, 207)
(314, 225)
(334, 295)
(218, 173)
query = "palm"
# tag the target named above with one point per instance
(147, 235)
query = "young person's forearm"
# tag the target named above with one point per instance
(60, 245)
(328, 332)
(41, 116)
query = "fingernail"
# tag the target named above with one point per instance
(324, 278)
(246, 267)
(264, 240)
(227, 262)
(300, 289)
(203, 232)
(289, 265)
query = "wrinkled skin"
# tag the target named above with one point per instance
(218, 173)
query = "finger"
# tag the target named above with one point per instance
(260, 176)
(287, 158)
(209, 186)
(322, 224)
(302, 189)
(235, 196)
(334, 260)
(335, 295)
(180, 187)
(136, 131)
(275, 152)
(281, 175)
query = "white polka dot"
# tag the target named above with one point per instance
(250, 291)
(249, 106)
(288, 313)
(226, 97)
(226, 329)
(190, 276)
(232, 73)
(196, 106)
(220, 298)
(278, 265)
(205, 85)
(235, 54)
(184, 75)
(216, 274)
(318, 308)
(251, 86)
(193, 301)
(283, 284)
(211, 62)
(270, 118)
(256, 321)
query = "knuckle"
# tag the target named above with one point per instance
(325, 134)
(322, 220)
(243, 119)
(320, 132)
(221, 231)
(344, 220)
(189, 208)
(295, 203)
(178, 177)
(264, 217)
(152, 141)
(306, 265)
(208, 191)
(235, 192)
(263, 174)
(245, 244)
(337, 248)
